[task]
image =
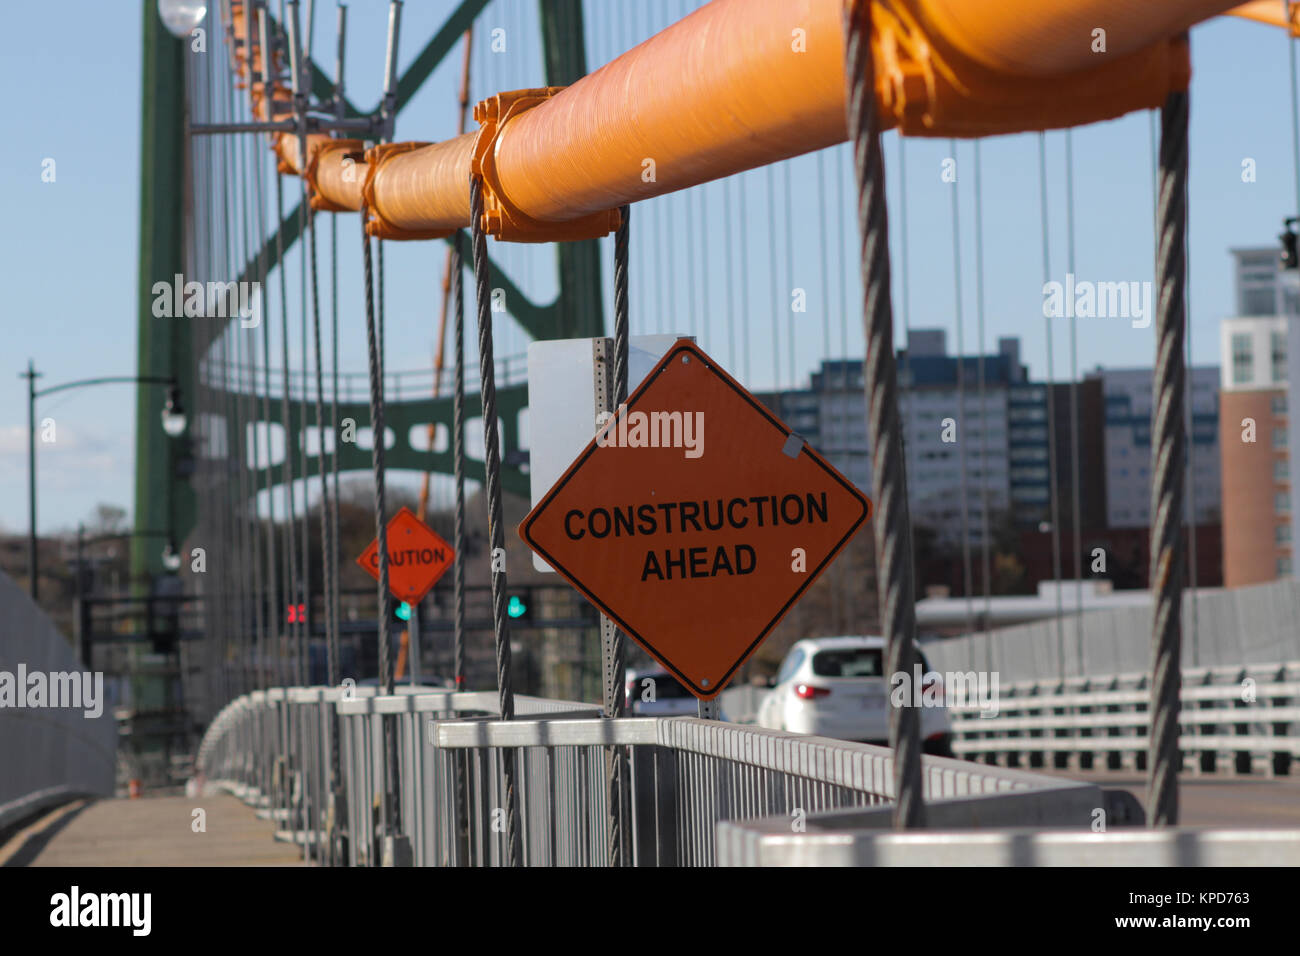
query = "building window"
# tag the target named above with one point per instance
(1284, 565)
(1282, 534)
(1279, 437)
(1242, 359)
(1281, 470)
(1279, 404)
(1260, 300)
(1282, 502)
(1279, 356)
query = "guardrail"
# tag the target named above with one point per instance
(686, 776)
(754, 843)
(1234, 719)
(48, 753)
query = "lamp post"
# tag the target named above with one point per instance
(173, 423)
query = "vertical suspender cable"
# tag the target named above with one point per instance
(773, 288)
(287, 477)
(961, 407)
(496, 529)
(458, 455)
(985, 560)
(617, 701)
(1168, 452)
(1054, 514)
(892, 524)
(460, 770)
(328, 555)
(388, 800)
(1076, 509)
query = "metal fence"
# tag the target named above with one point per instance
(1221, 628)
(48, 753)
(755, 844)
(1233, 719)
(686, 776)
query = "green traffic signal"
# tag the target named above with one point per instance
(516, 608)
(403, 611)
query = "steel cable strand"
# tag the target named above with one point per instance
(496, 529)
(458, 571)
(618, 643)
(385, 676)
(1168, 459)
(892, 523)
(327, 544)
(286, 469)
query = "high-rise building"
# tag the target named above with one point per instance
(1128, 424)
(1256, 434)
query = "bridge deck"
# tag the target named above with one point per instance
(153, 831)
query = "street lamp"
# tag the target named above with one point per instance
(173, 422)
(171, 559)
(173, 414)
(181, 16)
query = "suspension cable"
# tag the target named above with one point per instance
(959, 321)
(1076, 508)
(1168, 450)
(388, 797)
(986, 556)
(496, 528)
(892, 524)
(1054, 512)
(616, 642)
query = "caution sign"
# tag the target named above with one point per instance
(417, 557)
(695, 519)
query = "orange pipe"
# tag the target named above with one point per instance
(1269, 12)
(743, 83)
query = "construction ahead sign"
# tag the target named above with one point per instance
(695, 519)
(417, 557)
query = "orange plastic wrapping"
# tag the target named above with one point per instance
(742, 83)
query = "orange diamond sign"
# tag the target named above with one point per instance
(417, 557)
(695, 519)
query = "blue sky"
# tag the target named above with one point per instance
(70, 250)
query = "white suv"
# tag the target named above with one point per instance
(836, 687)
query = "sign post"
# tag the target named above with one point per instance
(417, 557)
(695, 519)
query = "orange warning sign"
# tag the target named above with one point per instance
(695, 519)
(417, 557)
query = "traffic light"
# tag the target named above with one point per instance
(517, 607)
(1289, 258)
(297, 614)
(403, 611)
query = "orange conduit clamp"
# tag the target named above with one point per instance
(379, 225)
(502, 219)
(931, 87)
(336, 173)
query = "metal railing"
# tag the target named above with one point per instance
(51, 747)
(754, 843)
(686, 776)
(1233, 719)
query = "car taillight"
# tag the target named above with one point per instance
(808, 692)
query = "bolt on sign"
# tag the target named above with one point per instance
(417, 557)
(695, 519)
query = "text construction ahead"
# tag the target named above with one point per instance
(696, 558)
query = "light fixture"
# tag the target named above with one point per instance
(173, 414)
(171, 559)
(180, 17)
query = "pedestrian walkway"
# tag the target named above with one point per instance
(152, 831)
